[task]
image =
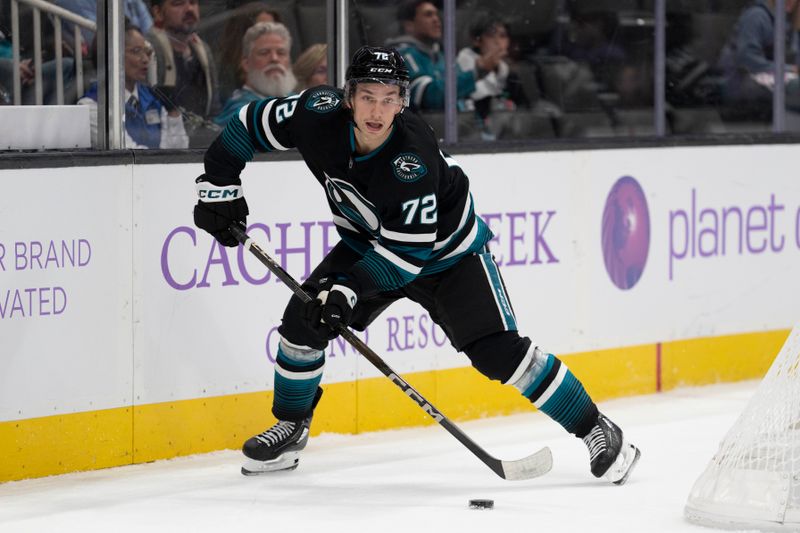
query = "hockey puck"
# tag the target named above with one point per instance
(481, 504)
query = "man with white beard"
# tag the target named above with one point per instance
(267, 67)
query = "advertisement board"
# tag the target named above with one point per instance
(639, 266)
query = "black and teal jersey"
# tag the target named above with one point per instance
(405, 208)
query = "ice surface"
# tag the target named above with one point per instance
(418, 479)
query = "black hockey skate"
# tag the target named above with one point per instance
(278, 448)
(611, 456)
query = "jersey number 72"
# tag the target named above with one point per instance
(426, 207)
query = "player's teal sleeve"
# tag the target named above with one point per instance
(387, 263)
(392, 267)
(261, 126)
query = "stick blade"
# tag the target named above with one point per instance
(535, 465)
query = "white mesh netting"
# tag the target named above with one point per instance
(753, 481)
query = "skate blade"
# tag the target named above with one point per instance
(287, 461)
(630, 456)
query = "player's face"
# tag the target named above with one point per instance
(374, 108)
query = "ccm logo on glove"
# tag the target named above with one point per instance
(208, 192)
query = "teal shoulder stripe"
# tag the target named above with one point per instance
(254, 127)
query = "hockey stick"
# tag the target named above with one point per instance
(529, 467)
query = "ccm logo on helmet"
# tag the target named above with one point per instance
(381, 70)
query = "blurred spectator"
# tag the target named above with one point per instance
(311, 67)
(231, 74)
(497, 88)
(28, 77)
(592, 40)
(88, 10)
(747, 62)
(149, 123)
(184, 66)
(138, 14)
(135, 11)
(267, 68)
(606, 70)
(421, 50)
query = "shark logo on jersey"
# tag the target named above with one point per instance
(323, 101)
(352, 205)
(408, 167)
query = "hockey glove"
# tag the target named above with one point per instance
(319, 333)
(339, 295)
(218, 207)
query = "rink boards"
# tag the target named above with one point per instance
(127, 336)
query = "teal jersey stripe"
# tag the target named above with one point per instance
(389, 276)
(439, 266)
(254, 126)
(481, 238)
(500, 292)
(456, 236)
(356, 245)
(237, 141)
(386, 274)
(383, 280)
(378, 259)
(353, 215)
(417, 254)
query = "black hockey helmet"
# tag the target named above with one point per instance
(374, 64)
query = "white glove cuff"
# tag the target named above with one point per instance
(349, 294)
(209, 193)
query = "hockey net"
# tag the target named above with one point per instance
(753, 481)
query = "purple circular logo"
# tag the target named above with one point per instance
(625, 232)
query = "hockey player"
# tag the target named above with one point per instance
(408, 230)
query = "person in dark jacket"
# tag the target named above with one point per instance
(747, 62)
